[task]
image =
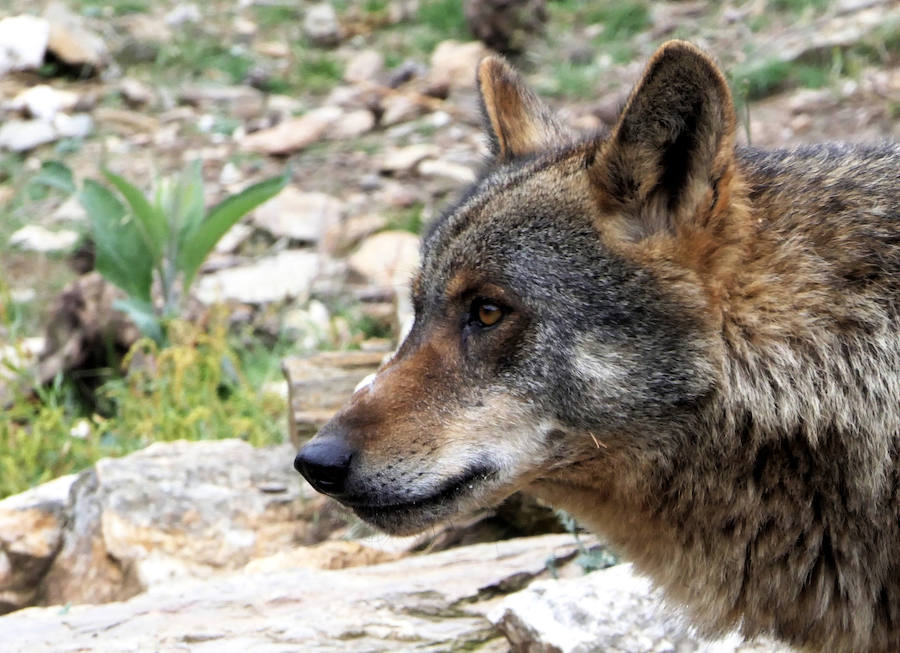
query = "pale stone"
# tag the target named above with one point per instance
(405, 159)
(36, 238)
(22, 295)
(400, 108)
(23, 42)
(364, 66)
(453, 63)
(70, 210)
(175, 509)
(427, 603)
(340, 237)
(299, 215)
(233, 238)
(285, 275)
(293, 134)
(79, 125)
(44, 102)
(182, 14)
(611, 610)
(352, 124)
(136, 92)
(31, 532)
(388, 259)
(71, 40)
(455, 172)
(321, 26)
(24, 135)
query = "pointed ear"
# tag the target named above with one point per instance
(517, 122)
(672, 151)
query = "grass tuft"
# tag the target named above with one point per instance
(197, 388)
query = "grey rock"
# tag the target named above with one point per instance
(70, 210)
(454, 172)
(388, 259)
(24, 135)
(453, 63)
(293, 134)
(298, 215)
(364, 66)
(321, 25)
(175, 510)
(183, 14)
(352, 124)
(425, 603)
(339, 238)
(78, 125)
(613, 610)
(31, 532)
(43, 102)
(400, 108)
(135, 92)
(288, 274)
(405, 159)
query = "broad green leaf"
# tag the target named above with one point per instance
(199, 241)
(55, 175)
(121, 255)
(187, 201)
(151, 222)
(143, 316)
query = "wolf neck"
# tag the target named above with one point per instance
(783, 514)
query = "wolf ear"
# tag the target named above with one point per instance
(673, 144)
(517, 122)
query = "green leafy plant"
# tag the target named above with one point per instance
(198, 387)
(163, 240)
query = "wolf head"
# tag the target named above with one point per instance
(564, 309)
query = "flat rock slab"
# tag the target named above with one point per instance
(613, 610)
(318, 386)
(427, 603)
(270, 279)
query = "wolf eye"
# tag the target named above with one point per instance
(486, 314)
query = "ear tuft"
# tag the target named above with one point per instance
(518, 123)
(674, 140)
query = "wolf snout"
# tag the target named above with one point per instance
(325, 462)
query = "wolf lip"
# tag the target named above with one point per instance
(447, 493)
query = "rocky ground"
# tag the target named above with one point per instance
(371, 105)
(215, 546)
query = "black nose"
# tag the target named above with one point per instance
(325, 463)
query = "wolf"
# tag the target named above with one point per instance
(691, 346)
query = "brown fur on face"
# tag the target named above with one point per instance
(723, 320)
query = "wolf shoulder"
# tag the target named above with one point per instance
(861, 173)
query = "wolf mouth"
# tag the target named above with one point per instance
(430, 507)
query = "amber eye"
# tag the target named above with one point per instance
(488, 314)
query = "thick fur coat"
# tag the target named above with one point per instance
(691, 346)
